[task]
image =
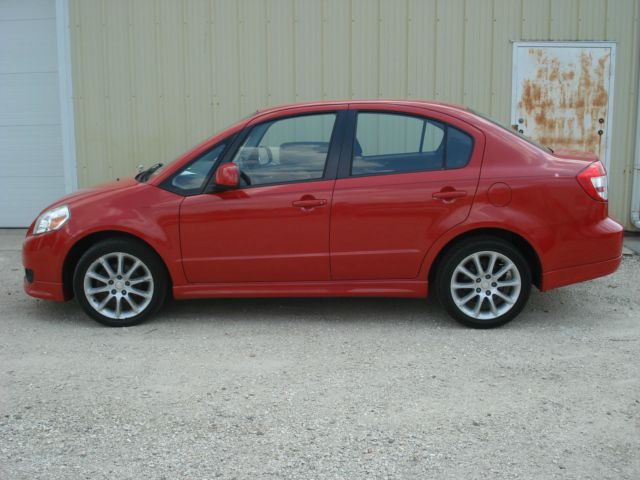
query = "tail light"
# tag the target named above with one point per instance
(594, 181)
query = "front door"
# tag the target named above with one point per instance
(275, 227)
(410, 178)
(562, 94)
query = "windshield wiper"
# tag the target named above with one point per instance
(144, 175)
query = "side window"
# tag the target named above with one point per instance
(191, 179)
(287, 150)
(396, 143)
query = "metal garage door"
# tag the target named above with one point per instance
(31, 154)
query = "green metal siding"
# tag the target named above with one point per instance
(152, 78)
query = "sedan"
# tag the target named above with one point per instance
(353, 198)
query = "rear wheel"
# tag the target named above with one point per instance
(484, 282)
(120, 282)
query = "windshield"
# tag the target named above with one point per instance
(514, 132)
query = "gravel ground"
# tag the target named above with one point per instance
(322, 388)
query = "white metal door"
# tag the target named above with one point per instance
(31, 155)
(562, 94)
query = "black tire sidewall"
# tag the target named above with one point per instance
(138, 250)
(458, 253)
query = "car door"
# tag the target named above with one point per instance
(275, 226)
(407, 176)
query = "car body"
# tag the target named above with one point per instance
(349, 198)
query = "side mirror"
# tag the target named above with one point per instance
(227, 176)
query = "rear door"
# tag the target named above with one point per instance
(406, 176)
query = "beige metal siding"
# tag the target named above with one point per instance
(152, 78)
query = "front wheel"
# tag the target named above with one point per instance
(120, 282)
(484, 282)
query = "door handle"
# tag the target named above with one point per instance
(309, 203)
(449, 195)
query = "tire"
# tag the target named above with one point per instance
(485, 302)
(139, 286)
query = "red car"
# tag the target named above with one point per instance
(352, 198)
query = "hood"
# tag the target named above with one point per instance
(95, 191)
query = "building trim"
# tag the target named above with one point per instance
(65, 80)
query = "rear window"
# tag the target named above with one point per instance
(388, 143)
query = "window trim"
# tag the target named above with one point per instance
(346, 157)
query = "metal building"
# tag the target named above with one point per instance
(105, 85)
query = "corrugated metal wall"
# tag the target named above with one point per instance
(152, 78)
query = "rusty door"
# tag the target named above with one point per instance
(562, 94)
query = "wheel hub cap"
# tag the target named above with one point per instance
(485, 285)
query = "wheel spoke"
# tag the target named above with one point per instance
(476, 261)
(462, 286)
(462, 269)
(104, 302)
(492, 305)
(464, 300)
(492, 263)
(508, 283)
(103, 289)
(140, 293)
(118, 307)
(98, 277)
(107, 267)
(120, 264)
(476, 310)
(134, 306)
(133, 268)
(504, 297)
(503, 270)
(136, 281)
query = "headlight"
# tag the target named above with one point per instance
(51, 220)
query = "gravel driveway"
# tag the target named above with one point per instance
(322, 388)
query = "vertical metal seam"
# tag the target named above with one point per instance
(379, 66)
(295, 50)
(436, 32)
(133, 95)
(322, 22)
(212, 92)
(406, 49)
(106, 92)
(492, 57)
(267, 49)
(351, 92)
(81, 91)
(239, 71)
(186, 104)
(464, 52)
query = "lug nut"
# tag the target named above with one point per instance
(488, 293)
(487, 277)
(478, 290)
(477, 280)
(494, 284)
(113, 292)
(110, 282)
(124, 292)
(119, 277)
(127, 283)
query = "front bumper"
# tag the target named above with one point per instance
(43, 255)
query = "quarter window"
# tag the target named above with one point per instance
(287, 150)
(393, 143)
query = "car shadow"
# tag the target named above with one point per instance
(543, 310)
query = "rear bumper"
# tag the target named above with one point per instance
(580, 273)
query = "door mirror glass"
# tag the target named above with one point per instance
(227, 175)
